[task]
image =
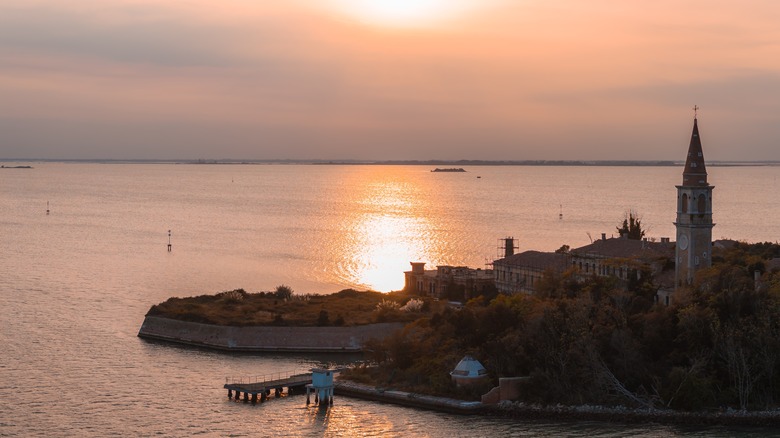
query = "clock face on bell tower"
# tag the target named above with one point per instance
(683, 242)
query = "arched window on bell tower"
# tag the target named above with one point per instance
(702, 204)
(685, 203)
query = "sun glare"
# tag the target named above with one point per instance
(401, 12)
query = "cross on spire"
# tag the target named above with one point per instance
(695, 111)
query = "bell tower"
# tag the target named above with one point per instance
(694, 215)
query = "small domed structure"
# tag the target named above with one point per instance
(469, 371)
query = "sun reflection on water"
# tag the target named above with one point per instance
(387, 228)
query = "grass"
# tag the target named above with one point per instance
(345, 308)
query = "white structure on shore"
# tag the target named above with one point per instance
(322, 386)
(469, 371)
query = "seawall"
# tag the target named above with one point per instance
(442, 404)
(265, 338)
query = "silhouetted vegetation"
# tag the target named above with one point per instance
(717, 345)
(283, 308)
(632, 226)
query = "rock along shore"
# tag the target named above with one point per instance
(265, 338)
(726, 417)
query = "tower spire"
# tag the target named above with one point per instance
(693, 249)
(695, 173)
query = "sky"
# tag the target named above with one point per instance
(388, 79)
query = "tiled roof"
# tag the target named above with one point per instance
(626, 248)
(534, 259)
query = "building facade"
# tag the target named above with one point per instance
(623, 258)
(520, 273)
(447, 281)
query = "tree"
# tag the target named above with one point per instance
(283, 292)
(632, 226)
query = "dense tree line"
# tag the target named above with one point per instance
(717, 345)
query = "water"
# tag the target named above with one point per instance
(75, 284)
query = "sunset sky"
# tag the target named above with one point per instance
(388, 80)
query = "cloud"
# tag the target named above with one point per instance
(516, 80)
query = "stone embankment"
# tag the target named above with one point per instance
(265, 338)
(443, 404)
(524, 411)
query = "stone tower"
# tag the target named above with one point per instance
(694, 215)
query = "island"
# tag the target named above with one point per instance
(282, 321)
(579, 347)
(449, 169)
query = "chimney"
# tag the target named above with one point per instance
(603, 236)
(509, 246)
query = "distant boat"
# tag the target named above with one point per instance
(449, 169)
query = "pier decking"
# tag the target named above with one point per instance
(253, 386)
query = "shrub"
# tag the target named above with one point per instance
(387, 305)
(232, 296)
(322, 319)
(413, 305)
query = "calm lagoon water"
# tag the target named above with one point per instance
(75, 284)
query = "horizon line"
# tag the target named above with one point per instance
(226, 161)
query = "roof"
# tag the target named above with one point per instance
(534, 259)
(695, 173)
(665, 279)
(773, 264)
(468, 367)
(626, 248)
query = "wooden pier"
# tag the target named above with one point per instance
(261, 387)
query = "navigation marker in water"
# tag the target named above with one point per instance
(169, 241)
(47, 207)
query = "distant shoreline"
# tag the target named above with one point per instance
(459, 163)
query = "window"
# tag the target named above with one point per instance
(702, 207)
(684, 203)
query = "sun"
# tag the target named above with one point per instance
(401, 12)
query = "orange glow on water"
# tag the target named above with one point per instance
(387, 228)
